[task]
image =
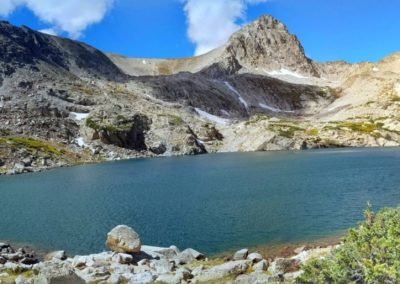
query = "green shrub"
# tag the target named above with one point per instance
(92, 124)
(369, 254)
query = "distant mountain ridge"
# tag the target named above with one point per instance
(258, 91)
(263, 45)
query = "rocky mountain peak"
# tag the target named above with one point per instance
(266, 45)
(265, 22)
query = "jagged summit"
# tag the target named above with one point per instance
(266, 45)
(260, 47)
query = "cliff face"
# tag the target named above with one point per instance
(266, 45)
(257, 92)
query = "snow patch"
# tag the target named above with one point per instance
(81, 142)
(79, 116)
(225, 112)
(285, 72)
(241, 99)
(210, 117)
(144, 62)
(375, 69)
(264, 106)
(200, 142)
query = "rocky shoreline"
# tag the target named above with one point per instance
(33, 165)
(128, 261)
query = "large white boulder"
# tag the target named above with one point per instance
(241, 254)
(123, 239)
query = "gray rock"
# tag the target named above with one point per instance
(6, 248)
(292, 275)
(54, 272)
(79, 261)
(175, 248)
(4, 274)
(94, 275)
(17, 256)
(158, 148)
(299, 249)
(179, 277)
(123, 258)
(257, 278)
(142, 278)
(123, 239)
(143, 262)
(281, 265)
(169, 253)
(27, 162)
(255, 257)
(220, 271)
(115, 279)
(183, 273)
(22, 280)
(241, 254)
(197, 270)
(167, 278)
(189, 255)
(60, 254)
(29, 260)
(261, 265)
(19, 166)
(2, 260)
(162, 266)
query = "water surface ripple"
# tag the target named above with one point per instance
(213, 202)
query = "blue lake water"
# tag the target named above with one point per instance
(213, 203)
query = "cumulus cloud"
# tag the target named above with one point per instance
(211, 22)
(70, 16)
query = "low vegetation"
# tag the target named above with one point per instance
(285, 130)
(175, 120)
(82, 89)
(30, 145)
(10, 275)
(369, 254)
(312, 132)
(256, 118)
(121, 125)
(362, 127)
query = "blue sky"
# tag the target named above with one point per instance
(351, 30)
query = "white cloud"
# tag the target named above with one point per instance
(7, 6)
(70, 16)
(211, 22)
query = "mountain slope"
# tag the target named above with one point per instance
(64, 102)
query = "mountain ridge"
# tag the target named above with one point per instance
(64, 102)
